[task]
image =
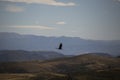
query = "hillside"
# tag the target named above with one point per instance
(20, 55)
(85, 67)
(71, 45)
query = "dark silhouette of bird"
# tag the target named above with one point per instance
(60, 46)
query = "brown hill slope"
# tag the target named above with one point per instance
(83, 67)
(72, 64)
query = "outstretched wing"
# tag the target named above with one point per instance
(60, 46)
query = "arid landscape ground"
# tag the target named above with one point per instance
(83, 67)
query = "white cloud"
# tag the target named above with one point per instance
(12, 8)
(47, 2)
(34, 27)
(61, 23)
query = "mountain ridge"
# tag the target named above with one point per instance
(21, 55)
(71, 45)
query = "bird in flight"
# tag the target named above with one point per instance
(60, 46)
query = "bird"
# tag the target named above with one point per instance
(60, 46)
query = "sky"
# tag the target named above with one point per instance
(88, 19)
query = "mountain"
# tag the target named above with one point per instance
(85, 67)
(71, 45)
(20, 55)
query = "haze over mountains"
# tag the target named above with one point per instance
(71, 45)
(20, 55)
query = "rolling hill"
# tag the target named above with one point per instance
(21, 55)
(85, 67)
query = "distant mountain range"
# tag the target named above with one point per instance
(20, 55)
(71, 45)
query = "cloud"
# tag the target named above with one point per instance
(47, 2)
(34, 27)
(11, 8)
(61, 23)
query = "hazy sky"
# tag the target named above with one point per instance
(89, 19)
